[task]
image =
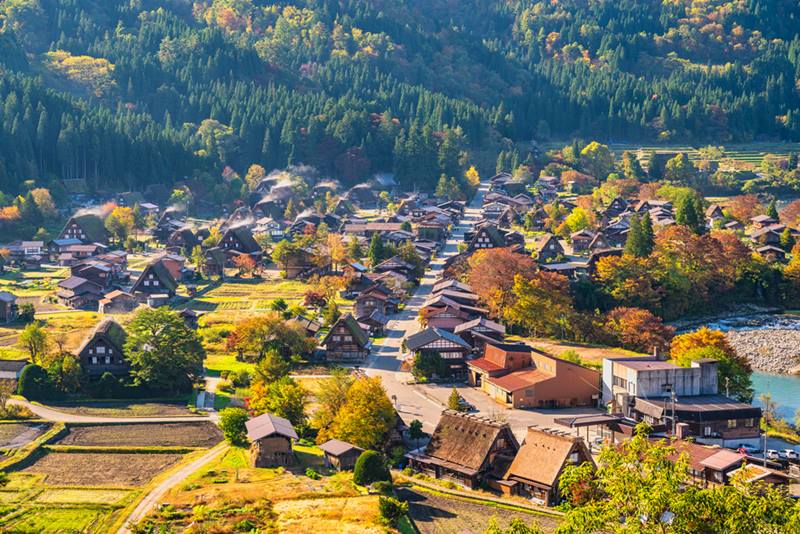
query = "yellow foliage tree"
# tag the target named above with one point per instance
(366, 417)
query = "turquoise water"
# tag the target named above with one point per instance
(784, 389)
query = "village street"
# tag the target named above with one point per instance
(426, 401)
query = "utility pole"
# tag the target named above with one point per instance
(674, 398)
(727, 386)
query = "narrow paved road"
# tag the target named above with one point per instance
(151, 499)
(426, 402)
(63, 417)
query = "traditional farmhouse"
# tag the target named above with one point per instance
(271, 441)
(340, 455)
(537, 467)
(346, 341)
(547, 248)
(154, 280)
(102, 351)
(79, 293)
(89, 228)
(8, 307)
(448, 346)
(466, 449)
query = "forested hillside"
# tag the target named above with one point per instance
(124, 93)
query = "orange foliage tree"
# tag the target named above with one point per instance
(491, 275)
(638, 329)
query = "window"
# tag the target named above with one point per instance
(155, 282)
(147, 283)
(337, 338)
(101, 349)
(94, 359)
(706, 430)
(108, 360)
(732, 423)
(750, 422)
(573, 458)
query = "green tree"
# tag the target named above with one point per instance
(370, 467)
(391, 510)
(787, 239)
(680, 169)
(64, 372)
(34, 384)
(232, 422)
(631, 168)
(376, 250)
(689, 213)
(283, 252)
(454, 400)
(597, 159)
(35, 340)
(772, 209)
(331, 395)
(415, 431)
(284, 398)
(164, 354)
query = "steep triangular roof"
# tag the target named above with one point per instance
(543, 455)
(358, 333)
(92, 226)
(465, 440)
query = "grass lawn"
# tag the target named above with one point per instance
(218, 362)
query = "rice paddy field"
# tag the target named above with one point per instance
(748, 153)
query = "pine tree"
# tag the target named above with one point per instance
(634, 244)
(376, 252)
(687, 214)
(454, 401)
(648, 235)
(787, 239)
(772, 209)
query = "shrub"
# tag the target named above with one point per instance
(26, 312)
(232, 422)
(370, 467)
(226, 387)
(240, 379)
(107, 387)
(391, 509)
(34, 384)
(313, 475)
(384, 487)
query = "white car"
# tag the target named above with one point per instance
(772, 454)
(789, 454)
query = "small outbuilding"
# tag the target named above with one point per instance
(271, 441)
(340, 455)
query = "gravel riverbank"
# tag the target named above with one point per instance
(772, 350)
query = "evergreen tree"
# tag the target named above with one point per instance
(772, 209)
(634, 244)
(376, 250)
(648, 235)
(688, 215)
(787, 239)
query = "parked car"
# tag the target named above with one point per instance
(748, 449)
(772, 454)
(789, 454)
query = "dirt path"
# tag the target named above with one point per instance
(151, 499)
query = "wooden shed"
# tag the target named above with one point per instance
(340, 455)
(271, 441)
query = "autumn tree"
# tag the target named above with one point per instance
(283, 252)
(638, 330)
(255, 173)
(597, 159)
(542, 305)
(245, 263)
(744, 207)
(253, 337)
(631, 168)
(36, 341)
(283, 397)
(330, 396)
(120, 222)
(366, 417)
(680, 170)
(733, 370)
(491, 276)
(631, 281)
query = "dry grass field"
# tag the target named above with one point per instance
(124, 409)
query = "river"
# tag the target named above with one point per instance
(784, 389)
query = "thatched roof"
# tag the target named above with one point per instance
(465, 440)
(543, 455)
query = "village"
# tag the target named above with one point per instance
(141, 319)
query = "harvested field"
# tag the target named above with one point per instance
(81, 496)
(101, 469)
(356, 515)
(14, 435)
(57, 520)
(200, 434)
(124, 409)
(437, 514)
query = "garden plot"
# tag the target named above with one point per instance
(101, 469)
(124, 409)
(200, 434)
(435, 513)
